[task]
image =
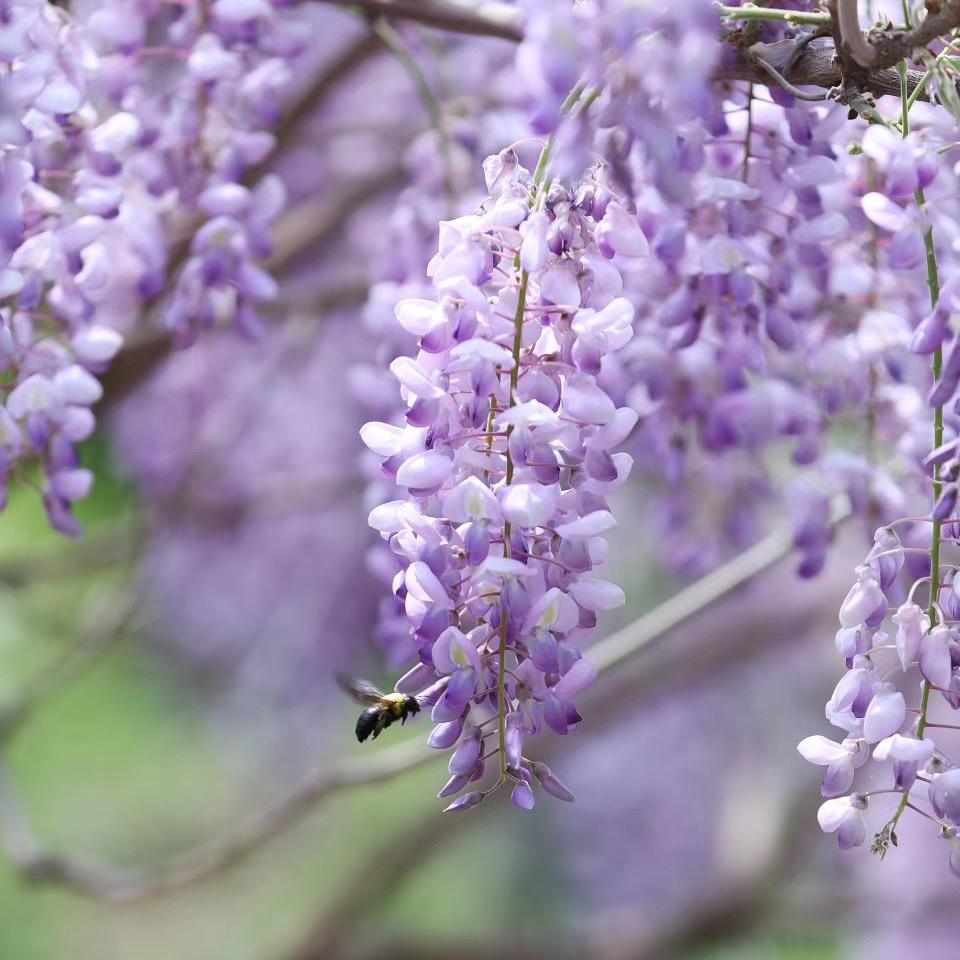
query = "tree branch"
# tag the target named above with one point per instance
(325, 82)
(123, 886)
(119, 885)
(311, 223)
(455, 17)
(816, 67)
(655, 625)
(885, 48)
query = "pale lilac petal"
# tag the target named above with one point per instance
(558, 284)
(553, 611)
(935, 661)
(529, 504)
(583, 400)
(384, 439)
(886, 214)
(452, 651)
(832, 813)
(522, 796)
(422, 583)
(597, 595)
(445, 735)
(822, 751)
(534, 253)
(910, 749)
(864, 598)
(96, 344)
(619, 232)
(885, 715)
(424, 471)
(411, 376)
(592, 525)
(580, 676)
(838, 778)
(852, 832)
(471, 500)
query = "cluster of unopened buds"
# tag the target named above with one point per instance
(507, 454)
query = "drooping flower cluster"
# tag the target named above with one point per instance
(443, 169)
(651, 66)
(507, 456)
(870, 706)
(108, 146)
(902, 658)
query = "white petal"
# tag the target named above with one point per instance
(886, 214)
(832, 813)
(822, 751)
(591, 525)
(597, 595)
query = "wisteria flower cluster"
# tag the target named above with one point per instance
(870, 706)
(508, 454)
(108, 145)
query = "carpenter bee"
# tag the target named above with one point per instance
(382, 708)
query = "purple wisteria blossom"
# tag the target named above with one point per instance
(507, 454)
(111, 148)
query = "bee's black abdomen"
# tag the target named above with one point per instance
(367, 723)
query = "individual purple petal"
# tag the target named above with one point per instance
(597, 595)
(454, 699)
(581, 675)
(454, 651)
(555, 610)
(466, 757)
(944, 506)
(944, 795)
(466, 802)
(911, 622)
(885, 714)
(529, 504)
(445, 735)
(514, 740)
(864, 598)
(550, 783)
(416, 678)
(619, 233)
(522, 796)
(934, 658)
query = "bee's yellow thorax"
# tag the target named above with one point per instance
(394, 703)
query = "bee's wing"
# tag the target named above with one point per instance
(360, 690)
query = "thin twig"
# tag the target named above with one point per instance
(310, 224)
(119, 885)
(653, 626)
(323, 84)
(455, 17)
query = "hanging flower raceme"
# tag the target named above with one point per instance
(109, 151)
(507, 454)
(891, 650)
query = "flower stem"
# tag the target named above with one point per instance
(539, 177)
(396, 44)
(933, 284)
(750, 12)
